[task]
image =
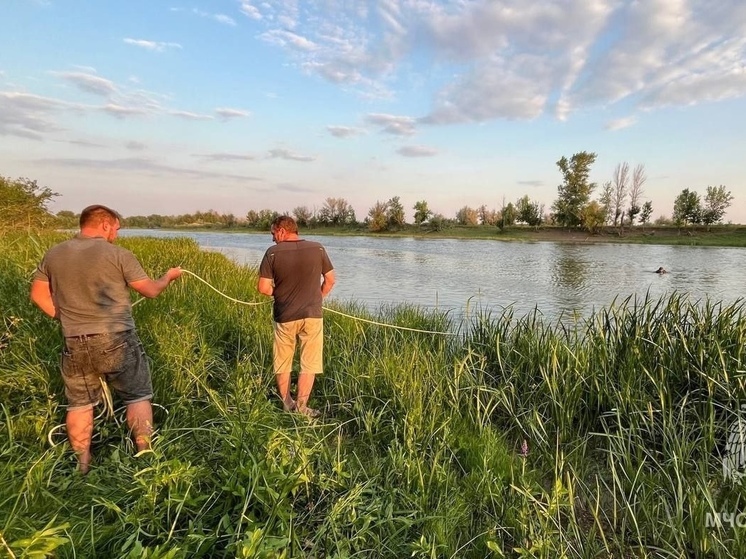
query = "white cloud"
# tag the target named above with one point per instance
(281, 153)
(620, 123)
(227, 114)
(392, 124)
(226, 157)
(141, 165)
(518, 60)
(121, 111)
(85, 144)
(250, 10)
(343, 131)
(134, 145)
(189, 115)
(417, 151)
(224, 19)
(285, 38)
(29, 116)
(220, 18)
(152, 45)
(89, 83)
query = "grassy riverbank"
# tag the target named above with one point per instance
(419, 450)
(717, 235)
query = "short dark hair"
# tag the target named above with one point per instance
(93, 215)
(285, 222)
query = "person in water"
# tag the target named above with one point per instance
(661, 270)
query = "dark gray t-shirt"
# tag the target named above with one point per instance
(89, 278)
(296, 268)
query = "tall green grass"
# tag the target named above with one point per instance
(517, 438)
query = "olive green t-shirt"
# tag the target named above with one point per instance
(88, 278)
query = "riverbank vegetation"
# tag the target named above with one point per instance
(514, 438)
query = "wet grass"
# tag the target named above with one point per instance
(420, 451)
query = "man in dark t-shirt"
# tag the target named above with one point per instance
(298, 274)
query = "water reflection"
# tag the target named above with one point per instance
(456, 275)
(570, 268)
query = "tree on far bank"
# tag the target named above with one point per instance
(575, 190)
(687, 208)
(395, 213)
(302, 215)
(421, 212)
(646, 212)
(67, 219)
(635, 192)
(467, 216)
(377, 220)
(507, 215)
(593, 216)
(261, 220)
(336, 211)
(487, 216)
(529, 212)
(619, 191)
(24, 204)
(607, 193)
(717, 200)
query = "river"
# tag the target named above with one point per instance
(457, 275)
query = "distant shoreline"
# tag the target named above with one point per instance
(716, 236)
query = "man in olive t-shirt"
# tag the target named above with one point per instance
(298, 274)
(84, 283)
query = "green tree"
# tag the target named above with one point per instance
(68, 220)
(529, 212)
(687, 208)
(593, 216)
(421, 212)
(606, 198)
(336, 211)
(395, 213)
(575, 190)
(467, 216)
(717, 200)
(302, 215)
(646, 212)
(487, 216)
(507, 216)
(377, 220)
(24, 204)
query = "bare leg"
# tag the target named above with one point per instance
(283, 387)
(79, 431)
(305, 385)
(140, 421)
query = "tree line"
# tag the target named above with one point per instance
(24, 203)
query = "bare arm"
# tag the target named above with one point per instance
(41, 295)
(265, 287)
(152, 288)
(328, 283)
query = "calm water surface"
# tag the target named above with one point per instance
(459, 275)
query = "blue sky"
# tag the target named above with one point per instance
(232, 105)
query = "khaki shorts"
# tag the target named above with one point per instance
(310, 332)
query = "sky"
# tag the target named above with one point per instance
(171, 107)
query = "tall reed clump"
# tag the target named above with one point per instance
(513, 438)
(628, 415)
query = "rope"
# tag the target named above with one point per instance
(183, 271)
(390, 325)
(382, 324)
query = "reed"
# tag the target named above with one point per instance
(518, 437)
